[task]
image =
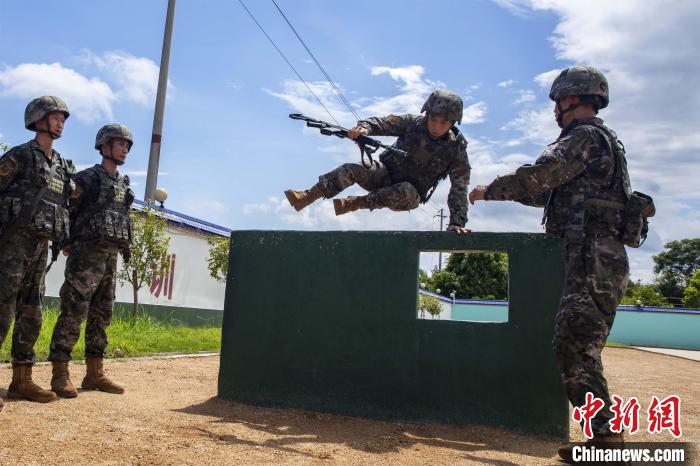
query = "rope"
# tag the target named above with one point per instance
(288, 63)
(328, 78)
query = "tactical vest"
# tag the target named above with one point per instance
(36, 202)
(108, 217)
(593, 203)
(427, 162)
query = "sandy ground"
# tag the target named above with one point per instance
(170, 415)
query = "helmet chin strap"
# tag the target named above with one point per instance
(48, 131)
(111, 157)
(561, 113)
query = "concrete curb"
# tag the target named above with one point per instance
(689, 355)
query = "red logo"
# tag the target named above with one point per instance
(665, 414)
(626, 416)
(587, 412)
(164, 279)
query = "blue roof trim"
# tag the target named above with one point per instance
(186, 220)
(623, 307)
(663, 310)
(447, 299)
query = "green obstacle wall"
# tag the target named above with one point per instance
(327, 321)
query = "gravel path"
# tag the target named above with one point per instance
(170, 415)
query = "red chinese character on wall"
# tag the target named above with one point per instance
(163, 280)
(587, 412)
(665, 414)
(626, 416)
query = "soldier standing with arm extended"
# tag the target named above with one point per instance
(34, 189)
(101, 228)
(582, 182)
(436, 149)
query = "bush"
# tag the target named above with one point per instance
(691, 296)
(647, 294)
(429, 304)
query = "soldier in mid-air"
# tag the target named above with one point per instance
(582, 182)
(436, 149)
(101, 228)
(34, 189)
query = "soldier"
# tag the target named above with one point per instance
(436, 149)
(34, 189)
(581, 180)
(101, 228)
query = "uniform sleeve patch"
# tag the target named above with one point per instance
(6, 168)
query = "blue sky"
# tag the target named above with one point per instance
(229, 149)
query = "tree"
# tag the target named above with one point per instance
(474, 275)
(676, 266)
(218, 257)
(691, 296)
(423, 277)
(149, 251)
(3, 147)
(429, 304)
(647, 295)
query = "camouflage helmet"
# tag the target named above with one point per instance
(113, 131)
(581, 81)
(444, 103)
(42, 106)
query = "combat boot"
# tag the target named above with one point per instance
(23, 388)
(601, 442)
(95, 379)
(60, 380)
(301, 199)
(350, 204)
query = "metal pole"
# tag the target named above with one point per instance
(157, 134)
(442, 216)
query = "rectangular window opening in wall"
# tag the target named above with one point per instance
(467, 286)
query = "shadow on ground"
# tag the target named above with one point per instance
(289, 427)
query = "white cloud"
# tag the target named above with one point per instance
(116, 77)
(517, 7)
(475, 113)
(88, 99)
(506, 83)
(535, 126)
(413, 88)
(136, 78)
(547, 78)
(648, 52)
(525, 96)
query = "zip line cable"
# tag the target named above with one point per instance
(328, 78)
(288, 63)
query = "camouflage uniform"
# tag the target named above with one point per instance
(26, 175)
(402, 183)
(101, 227)
(574, 179)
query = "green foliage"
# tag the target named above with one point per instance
(648, 295)
(3, 147)
(218, 257)
(149, 251)
(429, 304)
(423, 277)
(691, 296)
(139, 335)
(676, 266)
(474, 275)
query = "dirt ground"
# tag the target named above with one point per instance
(170, 415)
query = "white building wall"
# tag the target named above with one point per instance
(187, 284)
